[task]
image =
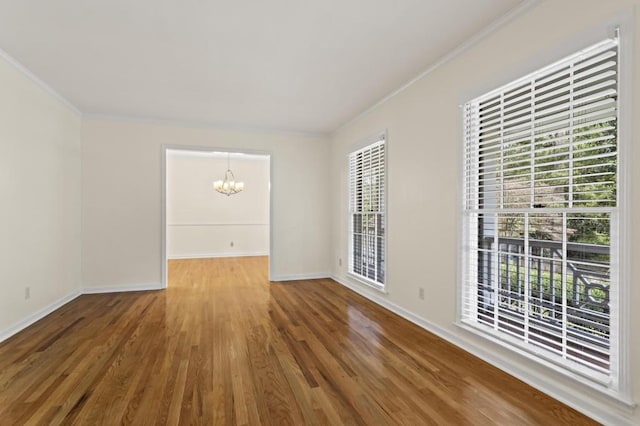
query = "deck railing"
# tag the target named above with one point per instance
(587, 288)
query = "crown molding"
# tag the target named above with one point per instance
(44, 86)
(509, 16)
(196, 124)
(474, 40)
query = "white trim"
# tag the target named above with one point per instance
(44, 86)
(209, 155)
(272, 250)
(590, 407)
(298, 277)
(164, 269)
(621, 363)
(387, 149)
(576, 372)
(581, 377)
(369, 141)
(199, 124)
(122, 288)
(216, 255)
(548, 70)
(471, 42)
(379, 138)
(627, 58)
(217, 224)
(37, 316)
(473, 141)
(553, 53)
(358, 279)
(163, 202)
(197, 150)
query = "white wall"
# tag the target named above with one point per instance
(40, 200)
(204, 223)
(122, 187)
(424, 178)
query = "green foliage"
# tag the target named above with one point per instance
(591, 181)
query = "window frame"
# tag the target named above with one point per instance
(366, 144)
(617, 385)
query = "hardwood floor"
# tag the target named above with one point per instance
(224, 346)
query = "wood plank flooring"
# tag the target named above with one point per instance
(223, 346)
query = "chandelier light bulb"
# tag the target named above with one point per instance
(228, 186)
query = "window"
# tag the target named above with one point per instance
(367, 213)
(541, 213)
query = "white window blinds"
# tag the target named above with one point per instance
(367, 212)
(540, 211)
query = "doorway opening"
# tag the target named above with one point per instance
(200, 222)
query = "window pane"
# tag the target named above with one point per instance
(540, 189)
(366, 176)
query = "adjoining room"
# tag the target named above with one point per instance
(217, 204)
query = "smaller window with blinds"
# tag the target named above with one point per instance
(541, 213)
(367, 213)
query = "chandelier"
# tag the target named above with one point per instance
(228, 186)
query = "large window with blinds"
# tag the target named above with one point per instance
(367, 213)
(541, 213)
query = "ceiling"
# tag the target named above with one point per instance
(290, 65)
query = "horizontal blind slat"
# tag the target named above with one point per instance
(551, 138)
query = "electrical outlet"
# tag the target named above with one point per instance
(421, 293)
(231, 244)
(339, 261)
(27, 293)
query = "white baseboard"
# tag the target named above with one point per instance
(215, 255)
(36, 316)
(122, 288)
(599, 412)
(294, 277)
(21, 325)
